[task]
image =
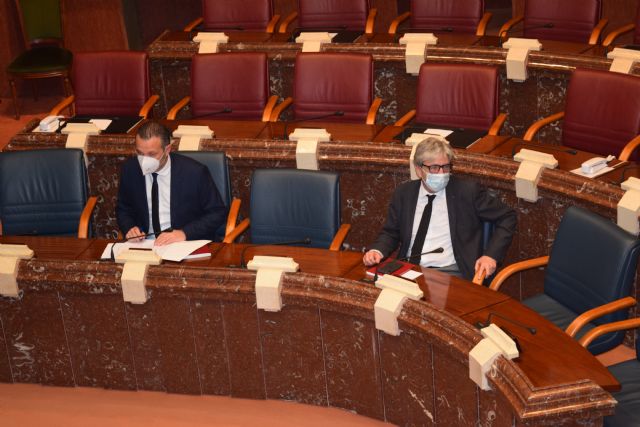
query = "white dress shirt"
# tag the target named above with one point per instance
(164, 197)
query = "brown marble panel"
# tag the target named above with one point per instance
(456, 397)
(492, 410)
(352, 362)
(145, 346)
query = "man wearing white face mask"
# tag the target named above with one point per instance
(163, 193)
(442, 211)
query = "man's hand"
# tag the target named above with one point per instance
(170, 237)
(134, 235)
(372, 257)
(487, 264)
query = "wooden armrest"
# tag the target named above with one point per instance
(277, 110)
(406, 118)
(85, 217)
(336, 244)
(595, 34)
(478, 278)
(586, 317)
(497, 124)
(271, 26)
(193, 24)
(534, 128)
(482, 25)
(393, 28)
(629, 148)
(173, 112)
(608, 327)
(371, 21)
(373, 110)
(288, 20)
(55, 111)
(232, 217)
(509, 270)
(617, 33)
(268, 109)
(144, 111)
(509, 25)
(231, 237)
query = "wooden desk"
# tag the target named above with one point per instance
(223, 128)
(338, 131)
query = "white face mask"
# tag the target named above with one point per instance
(437, 181)
(148, 164)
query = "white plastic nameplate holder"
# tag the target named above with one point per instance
(307, 146)
(623, 59)
(518, 57)
(413, 141)
(269, 270)
(629, 206)
(414, 52)
(395, 291)
(311, 42)
(495, 343)
(134, 273)
(10, 255)
(190, 136)
(209, 41)
(77, 134)
(531, 165)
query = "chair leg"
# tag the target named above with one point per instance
(14, 94)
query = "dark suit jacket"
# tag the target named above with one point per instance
(468, 204)
(196, 206)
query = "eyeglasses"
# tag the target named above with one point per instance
(436, 168)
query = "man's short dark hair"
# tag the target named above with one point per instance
(152, 128)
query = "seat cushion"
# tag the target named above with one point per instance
(41, 60)
(628, 409)
(573, 20)
(336, 14)
(461, 16)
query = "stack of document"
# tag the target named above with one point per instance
(172, 252)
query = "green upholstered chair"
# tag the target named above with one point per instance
(45, 56)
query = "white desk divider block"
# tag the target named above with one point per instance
(531, 165)
(307, 154)
(209, 41)
(137, 255)
(16, 251)
(190, 136)
(407, 287)
(311, 41)
(414, 52)
(387, 309)
(518, 57)
(623, 59)
(268, 289)
(10, 255)
(481, 357)
(629, 206)
(134, 273)
(77, 134)
(274, 262)
(309, 133)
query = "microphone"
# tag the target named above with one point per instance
(434, 251)
(225, 110)
(626, 169)
(141, 236)
(530, 329)
(285, 137)
(550, 147)
(533, 27)
(305, 241)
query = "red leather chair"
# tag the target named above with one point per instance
(222, 15)
(235, 81)
(567, 20)
(460, 16)
(329, 82)
(602, 113)
(457, 95)
(610, 39)
(353, 15)
(113, 83)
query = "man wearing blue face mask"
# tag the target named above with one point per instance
(166, 194)
(443, 211)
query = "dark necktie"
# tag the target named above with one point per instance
(155, 205)
(421, 235)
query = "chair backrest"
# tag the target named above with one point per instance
(42, 192)
(110, 83)
(239, 81)
(462, 16)
(329, 82)
(592, 262)
(335, 14)
(40, 20)
(292, 204)
(246, 14)
(573, 20)
(457, 95)
(636, 34)
(602, 112)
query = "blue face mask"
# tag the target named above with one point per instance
(437, 181)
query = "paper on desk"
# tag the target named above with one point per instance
(172, 252)
(411, 274)
(441, 132)
(592, 175)
(119, 247)
(101, 124)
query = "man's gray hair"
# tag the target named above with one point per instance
(152, 128)
(431, 148)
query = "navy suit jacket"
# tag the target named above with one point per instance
(196, 206)
(468, 205)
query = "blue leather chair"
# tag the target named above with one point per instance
(292, 204)
(44, 192)
(588, 277)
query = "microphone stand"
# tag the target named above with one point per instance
(225, 110)
(285, 137)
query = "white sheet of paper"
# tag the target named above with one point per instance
(106, 254)
(411, 274)
(442, 132)
(172, 252)
(101, 124)
(592, 175)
